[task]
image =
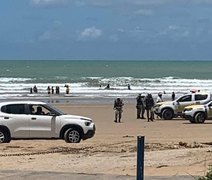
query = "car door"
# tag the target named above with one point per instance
(42, 124)
(182, 102)
(16, 120)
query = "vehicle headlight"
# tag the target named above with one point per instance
(87, 123)
(157, 105)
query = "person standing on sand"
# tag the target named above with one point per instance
(149, 101)
(118, 105)
(159, 98)
(140, 107)
(173, 96)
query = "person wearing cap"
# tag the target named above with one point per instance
(140, 107)
(118, 107)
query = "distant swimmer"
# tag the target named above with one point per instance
(67, 89)
(128, 86)
(48, 90)
(57, 90)
(52, 90)
(35, 89)
(108, 86)
(31, 90)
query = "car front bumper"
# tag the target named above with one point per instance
(90, 133)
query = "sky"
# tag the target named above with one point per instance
(105, 30)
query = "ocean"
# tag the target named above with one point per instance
(88, 79)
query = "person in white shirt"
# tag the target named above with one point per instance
(159, 98)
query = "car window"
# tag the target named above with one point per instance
(199, 97)
(184, 98)
(39, 110)
(13, 109)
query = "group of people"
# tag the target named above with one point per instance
(33, 89)
(143, 103)
(50, 90)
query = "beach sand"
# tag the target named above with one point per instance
(173, 147)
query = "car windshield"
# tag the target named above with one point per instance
(54, 110)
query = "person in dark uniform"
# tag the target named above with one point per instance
(118, 107)
(173, 96)
(149, 101)
(140, 107)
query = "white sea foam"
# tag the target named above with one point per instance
(7, 79)
(90, 86)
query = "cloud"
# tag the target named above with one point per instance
(125, 2)
(48, 3)
(114, 38)
(141, 3)
(47, 35)
(90, 33)
(144, 12)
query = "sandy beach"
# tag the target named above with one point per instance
(173, 147)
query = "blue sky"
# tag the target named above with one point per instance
(106, 29)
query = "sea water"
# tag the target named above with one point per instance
(88, 79)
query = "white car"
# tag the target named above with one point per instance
(198, 113)
(170, 109)
(35, 120)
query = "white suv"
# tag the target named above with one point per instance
(198, 113)
(170, 109)
(33, 120)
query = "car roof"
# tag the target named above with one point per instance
(20, 102)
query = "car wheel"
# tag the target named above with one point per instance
(167, 114)
(4, 136)
(192, 120)
(72, 136)
(200, 117)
